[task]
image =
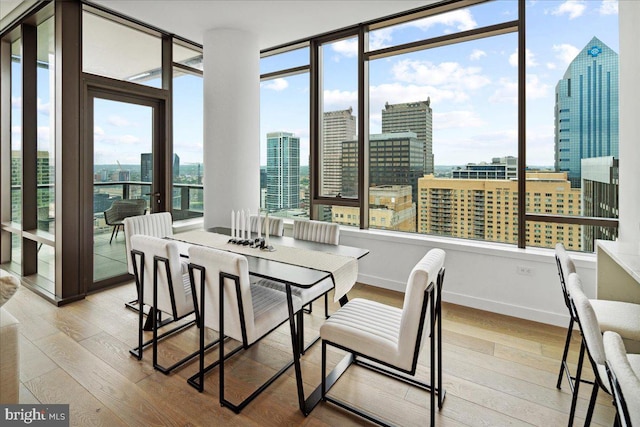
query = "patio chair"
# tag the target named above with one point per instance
(121, 209)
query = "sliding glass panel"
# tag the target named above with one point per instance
(187, 145)
(123, 173)
(443, 141)
(284, 146)
(572, 118)
(46, 157)
(16, 132)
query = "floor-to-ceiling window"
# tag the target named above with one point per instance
(284, 133)
(449, 150)
(572, 122)
(188, 168)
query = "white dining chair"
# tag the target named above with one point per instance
(163, 282)
(276, 225)
(248, 312)
(156, 225)
(618, 316)
(313, 231)
(623, 371)
(389, 336)
(592, 344)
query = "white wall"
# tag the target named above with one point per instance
(478, 274)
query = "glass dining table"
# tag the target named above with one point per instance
(294, 262)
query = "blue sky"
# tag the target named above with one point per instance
(472, 86)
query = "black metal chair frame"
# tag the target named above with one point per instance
(618, 399)
(564, 367)
(435, 335)
(597, 384)
(197, 380)
(153, 314)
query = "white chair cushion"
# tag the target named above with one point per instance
(154, 246)
(618, 316)
(156, 225)
(316, 231)
(369, 328)
(270, 308)
(306, 295)
(626, 368)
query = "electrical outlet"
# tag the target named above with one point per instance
(524, 270)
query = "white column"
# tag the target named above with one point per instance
(231, 124)
(629, 191)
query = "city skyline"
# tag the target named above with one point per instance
(472, 85)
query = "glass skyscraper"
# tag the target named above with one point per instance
(586, 111)
(283, 171)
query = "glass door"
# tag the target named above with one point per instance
(128, 176)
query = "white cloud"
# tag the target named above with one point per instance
(457, 119)
(276, 84)
(126, 139)
(608, 7)
(395, 93)
(565, 53)
(551, 66)
(339, 99)
(477, 54)
(16, 102)
(443, 75)
(508, 90)
(529, 59)
(44, 108)
(118, 121)
(347, 47)
(98, 131)
(381, 38)
(573, 8)
(461, 20)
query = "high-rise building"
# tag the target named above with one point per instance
(283, 171)
(337, 127)
(414, 117)
(499, 168)
(146, 167)
(487, 209)
(176, 166)
(586, 111)
(390, 208)
(394, 159)
(599, 198)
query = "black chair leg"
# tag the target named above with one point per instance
(574, 399)
(115, 227)
(592, 404)
(565, 353)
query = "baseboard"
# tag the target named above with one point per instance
(507, 309)
(381, 282)
(527, 313)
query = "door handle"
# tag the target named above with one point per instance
(157, 195)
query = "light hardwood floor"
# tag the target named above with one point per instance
(498, 371)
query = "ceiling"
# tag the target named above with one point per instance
(274, 22)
